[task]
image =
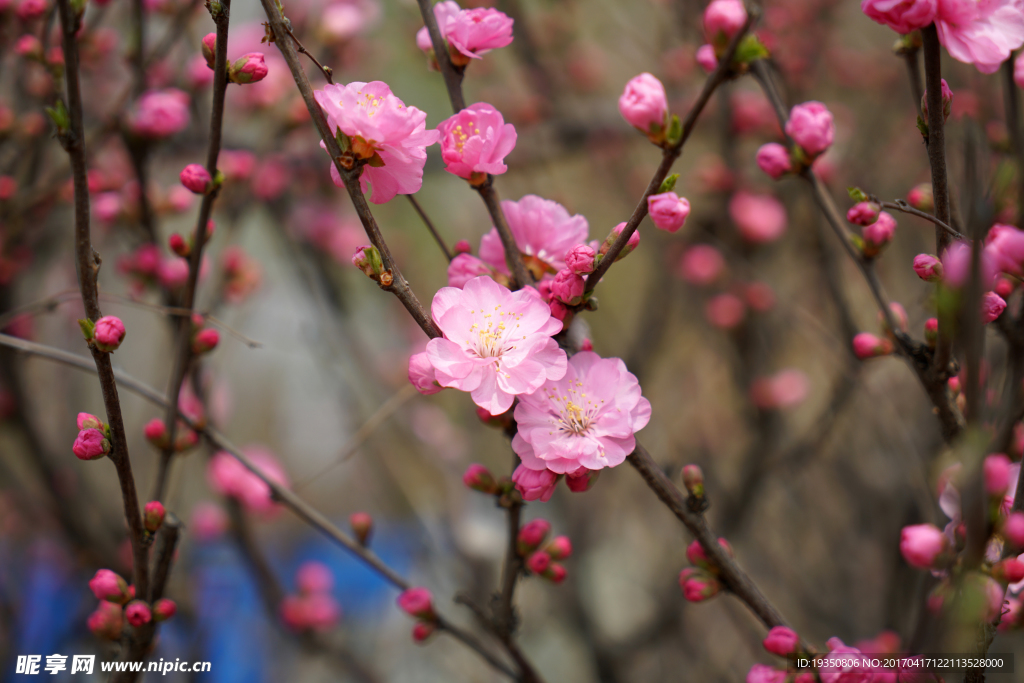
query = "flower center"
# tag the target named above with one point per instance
(492, 335)
(576, 412)
(459, 136)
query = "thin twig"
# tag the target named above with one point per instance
(430, 226)
(286, 497)
(350, 177)
(88, 266)
(327, 71)
(902, 205)
(722, 72)
(221, 16)
(452, 76)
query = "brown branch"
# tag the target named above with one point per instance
(902, 205)
(350, 177)
(452, 76)
(327, 71)
(183, 353)
(722, 72)
(88, 266)
(1011, 102)
(282, 495)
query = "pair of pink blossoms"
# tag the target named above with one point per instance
(574, 415)
(474, 142)
(979, 32)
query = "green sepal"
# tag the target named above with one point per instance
(375, 261)
(750, 49)
(343, 141)
(376, 161)
(60, 117)
(857, 194)
(675, 131)
(88, 328)
(668, 184)
(923, 127)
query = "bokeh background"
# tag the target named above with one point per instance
(811, 491)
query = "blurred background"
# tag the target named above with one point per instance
(814, 460)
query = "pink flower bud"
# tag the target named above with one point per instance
(195, 178)
(697, 557)
(475, 142)
(555, 573)
(784, 389)
(1013, 530)
(314, 577)
(422, 375)
(90, 445)
(535, 484)
(159, 114)
(567, 287)
(463, 268)
(956, 265)
(931, 331)
(107, 621)
(109, 333)
(644, 105)
(878, 235)
(701, 265)
(762, 673)
(153, 515)
(863, 213)
(532, 535)
(582, 479)
(479, 478)
(250, 68)
(422, 630)
(668, 211)
(156, 432)
(106, 585)
(209, 48)
(759, 218)
(417, 602)
(631, 243)
(362, 526)
(206, 340)
(538, 562)
(559, 548)
(992, 306)
(706, 58)
(928, 267)
(178, 245)
(867, 345)
(1010, 570)
(922, 545)
(773, 159)
(461, 247)
(164, 609)
(698, 586)
(138, 613)
(725, 311)
(28, 46)
(580, 259)
(947, 102)
(920, 197)
(87, 421)
(693, 480)
(723, 19)
(902, 17)
(811, 126)
(782, 641)
(996, 471)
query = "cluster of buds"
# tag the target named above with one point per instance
(693, 481)
(543, 559)
(249, 68)
(867, 345)
(314, 607)
(118, 604)
(878, 226)
(419, 603)
(93, 441)
(204, 339)
(105, 334)
(367, 259)
(700, 581)
(183, 247)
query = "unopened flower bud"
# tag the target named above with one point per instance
(580, 259)
(138, 613)
(668, 211)
(106, 585)
(879, 234)
(931, 331)
(698, 586)
(362, 526)
(1010, 570)
(559, 548)
(107, 621)
(992, 306)
(108, 333)
(209, 48)
(947, 102)
(774, 160)
(581, 479)
(532, 535)
(164, 609)
(928, 267)
(422, 630)
(555, 573)
(1013, 530)
(863, 213)
(179, 246)
(693, 480)
(156, 432)
(811, 126)
(367, 259)
(89, 421)
(996, 473)
(538, 562)
(462, 247)
(921, 198)
(479, 478)
(153, 515)
(697, 557)
(867, 345)
(630, 245)
(250, 68)
(91, 444)
(706, 58)
(195, 178)
(782, 641)
(417, 602)
(922, 545)
(205, 340)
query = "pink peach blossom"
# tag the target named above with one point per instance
(229, 477)
(784, 389)
(386, 125)
(543, 229)
(811, 126)
(443, 11)
(159, 113)
(497, 344)
(644, 105)
(314, 612)
(586, 418)
(956, 265)
(668, 211)
(723, 19)
(706, 58)
(475, 32)
(314, 577)
(760, 218)
(421, 374)
(90, 444)
(535, 484)
(698, 585)
(981, 33)
(725, 311)
(249, 68)
(108, 333)
(773, 159)
(1006, 245)
(902, 16)
(922, 544)
(475, 141)
(464, 268)
(992, 306)
(841, 665)
(701, 265)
